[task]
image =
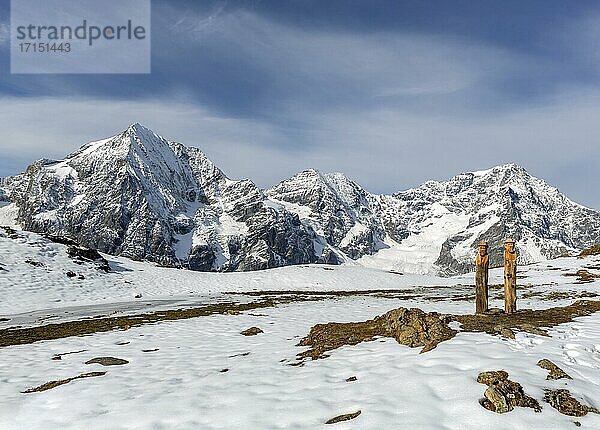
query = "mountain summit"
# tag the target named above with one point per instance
(139, 195)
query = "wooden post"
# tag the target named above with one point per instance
(510, 276)
(482, 264)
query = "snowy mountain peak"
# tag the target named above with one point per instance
(139, 195)
(508, 167)
(137, 126)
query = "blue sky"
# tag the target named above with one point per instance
(390, 93)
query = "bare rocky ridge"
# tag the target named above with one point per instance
(141, 196)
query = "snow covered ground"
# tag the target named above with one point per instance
(179, 382)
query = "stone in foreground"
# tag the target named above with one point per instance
(345, 417)
(566, 404)
(503, 395)
(107, 361)
(252, 331)
(555, 371)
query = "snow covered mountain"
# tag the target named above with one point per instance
(449, 218)
(436, 227)
(141, 196)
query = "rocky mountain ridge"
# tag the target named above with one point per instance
(139, 195)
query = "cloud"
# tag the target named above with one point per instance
(241, 64)
(278, 66)
(264, 100)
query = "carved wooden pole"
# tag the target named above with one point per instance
(482, 265)
(510, 276)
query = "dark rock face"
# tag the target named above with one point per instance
(82, 254)
(497, 203)
(491, 205)
(340, 211)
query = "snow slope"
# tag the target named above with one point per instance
(26, 287)
(175, 376)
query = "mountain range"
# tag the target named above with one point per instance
(142, 196)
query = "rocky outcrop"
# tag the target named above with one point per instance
(415, 328)
(410, 327)
(503, 395)
(555, 372)
(566, 404)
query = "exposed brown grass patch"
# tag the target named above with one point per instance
(583, 276)
(413, 327)
(54, 384)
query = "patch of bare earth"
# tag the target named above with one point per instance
(416, 328)
(22, 336)
(559, 295)
(54, 384)
(583, 276)
(345, 417)
(410, 327)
